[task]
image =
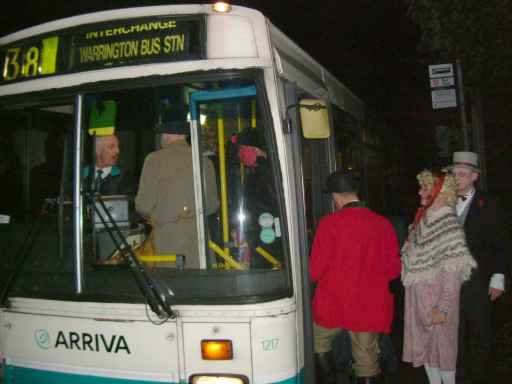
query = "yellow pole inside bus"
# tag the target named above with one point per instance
(223, 179)
(240, 130)
(253, 114)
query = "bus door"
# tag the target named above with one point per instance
(316, 168)
(227, 128)
(312, 161)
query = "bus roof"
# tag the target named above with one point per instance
(298, 66)
(265, 44)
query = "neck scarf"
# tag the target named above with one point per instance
(437, 243)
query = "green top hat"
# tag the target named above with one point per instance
(103, 118)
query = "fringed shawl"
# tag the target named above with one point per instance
(435, 244)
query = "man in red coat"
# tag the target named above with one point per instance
(354, 257)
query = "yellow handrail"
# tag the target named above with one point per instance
(227, 258)
(157, 258)
(271, 259)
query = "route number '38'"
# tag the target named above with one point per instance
(31, 61)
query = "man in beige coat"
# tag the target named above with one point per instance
(166, 195)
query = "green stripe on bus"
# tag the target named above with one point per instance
(20, 375)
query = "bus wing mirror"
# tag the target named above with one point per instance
(314, 118)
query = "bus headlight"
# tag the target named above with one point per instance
(218, 379)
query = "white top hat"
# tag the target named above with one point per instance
(465, 159)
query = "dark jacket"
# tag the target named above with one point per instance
(485, 234)
(116, 183)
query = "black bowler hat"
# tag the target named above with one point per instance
(172, 120)
(341, 182)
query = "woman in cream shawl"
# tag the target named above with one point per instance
(435, 262)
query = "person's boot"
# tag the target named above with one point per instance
(324, 366)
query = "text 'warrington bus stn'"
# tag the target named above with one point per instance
(133, 48)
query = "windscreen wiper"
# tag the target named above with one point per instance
(158, 301)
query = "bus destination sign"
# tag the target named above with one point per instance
(105, 45)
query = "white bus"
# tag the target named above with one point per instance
(81, 305)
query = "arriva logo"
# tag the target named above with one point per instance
(82, 342)
(42, 338)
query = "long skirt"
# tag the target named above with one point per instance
(425, 343)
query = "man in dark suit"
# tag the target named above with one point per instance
(483, 222)
(109, 180)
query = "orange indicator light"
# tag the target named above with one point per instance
(216, 349)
